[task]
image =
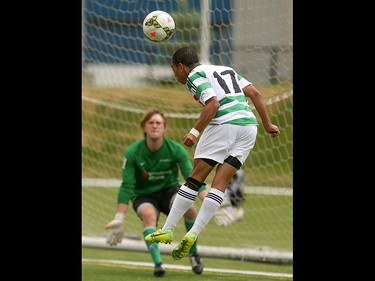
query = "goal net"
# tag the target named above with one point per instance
(124, 74)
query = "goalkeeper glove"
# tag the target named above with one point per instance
(116, 227)
(227, 215)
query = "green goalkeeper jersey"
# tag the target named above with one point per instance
(145, 171)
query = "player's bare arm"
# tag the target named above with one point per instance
(258, 101)
(209, 110)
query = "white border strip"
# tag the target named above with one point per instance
(187, 268)
(264, 254)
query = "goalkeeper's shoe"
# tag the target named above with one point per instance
(160, 236)
(182, 249)
(159, 271)
(196, 263)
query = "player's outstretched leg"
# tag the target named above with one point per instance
(182, 249)
(160, 236)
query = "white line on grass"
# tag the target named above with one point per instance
(188, 268)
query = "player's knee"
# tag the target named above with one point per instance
(147, 213)
(191, 213)
(193, 183)
(233, 161)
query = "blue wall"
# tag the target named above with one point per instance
(113, 31)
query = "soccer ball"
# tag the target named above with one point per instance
(158, 26)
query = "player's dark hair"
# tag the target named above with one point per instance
(148, 115)
(186, 56)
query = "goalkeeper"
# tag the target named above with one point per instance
(150, 181)
(231, 209)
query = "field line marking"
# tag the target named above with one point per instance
(188, 268)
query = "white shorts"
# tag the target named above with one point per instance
(220, 141)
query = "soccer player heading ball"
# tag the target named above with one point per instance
(228, 130)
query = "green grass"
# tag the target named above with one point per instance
(99, 271)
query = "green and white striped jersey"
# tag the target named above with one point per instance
(206, 81)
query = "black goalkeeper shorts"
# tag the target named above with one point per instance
(161, 200)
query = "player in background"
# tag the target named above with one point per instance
(231, 209)
(150, 181)
(229, 129)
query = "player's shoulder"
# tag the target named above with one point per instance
(134, 146)
(172, 143)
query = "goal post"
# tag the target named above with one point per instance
(124, 74)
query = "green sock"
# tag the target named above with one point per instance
(189, 224)
(153, 248)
